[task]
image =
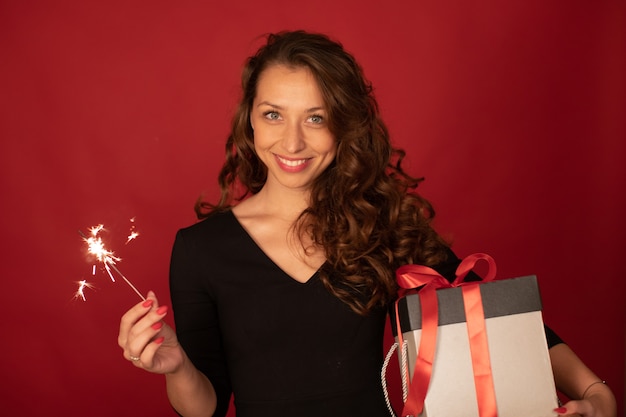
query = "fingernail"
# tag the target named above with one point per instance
(560, 410)
(159, 340)
(162, 310)
(157, 326)
(147, 303)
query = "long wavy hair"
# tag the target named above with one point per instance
(363, 211)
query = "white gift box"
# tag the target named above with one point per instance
(520, 363)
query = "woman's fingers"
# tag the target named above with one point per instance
(137, 343)
(162, 354)
(146, 340)
(150, 351)
(576, 408)
(139, 326)
(144, 331)
(131, 317)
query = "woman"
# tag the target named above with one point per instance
(281, 292)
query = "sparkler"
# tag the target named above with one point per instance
(96, 247)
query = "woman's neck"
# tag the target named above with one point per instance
(286, 204)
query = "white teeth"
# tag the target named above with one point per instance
(292, 163)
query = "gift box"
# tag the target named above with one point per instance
(509, 375)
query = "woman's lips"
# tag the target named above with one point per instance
(292, 165)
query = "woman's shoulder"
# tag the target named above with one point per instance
(216, 224)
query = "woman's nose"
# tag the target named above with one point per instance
(293, 137)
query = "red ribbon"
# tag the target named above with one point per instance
(412, 276)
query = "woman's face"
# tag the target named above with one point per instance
(291, 135)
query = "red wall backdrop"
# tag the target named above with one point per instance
(513, 111)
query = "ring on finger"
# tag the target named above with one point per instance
(133, 358)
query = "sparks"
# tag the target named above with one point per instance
(96, 247)
(131, 236)
(80, 293)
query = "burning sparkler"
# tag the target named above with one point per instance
(96, 247)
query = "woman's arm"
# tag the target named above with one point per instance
(190, 392)
(591, 397)
(149, 343)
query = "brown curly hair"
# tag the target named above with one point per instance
(363, 211)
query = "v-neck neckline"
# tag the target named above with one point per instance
(254, 243)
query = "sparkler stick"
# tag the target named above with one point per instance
(108, 259)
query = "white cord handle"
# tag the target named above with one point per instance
(403, 371)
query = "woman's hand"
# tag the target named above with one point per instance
(151, 344)
(574, 379)
(578, 408)
(597, 403)
(147, 341)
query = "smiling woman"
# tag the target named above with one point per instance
(291, 135)
(280, 295)
(513, 111)
(302, 265)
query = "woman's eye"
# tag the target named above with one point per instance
(271, 115)
(316, 119)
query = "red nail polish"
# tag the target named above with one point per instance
(157, 326)
(162, 310)
(159, 340)
(147, 303)
(560, 410)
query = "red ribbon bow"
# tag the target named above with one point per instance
(412, 276)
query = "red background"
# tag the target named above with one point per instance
(513, 111)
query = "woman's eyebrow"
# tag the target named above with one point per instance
(267, 103)
(276, 106)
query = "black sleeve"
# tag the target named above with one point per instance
(552, 338)
(196, 319)
(447, 270)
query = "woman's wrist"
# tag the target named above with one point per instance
(184, 367)
(590, 387)
(190, 392)
(601, 398)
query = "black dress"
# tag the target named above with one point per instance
(283, 347)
